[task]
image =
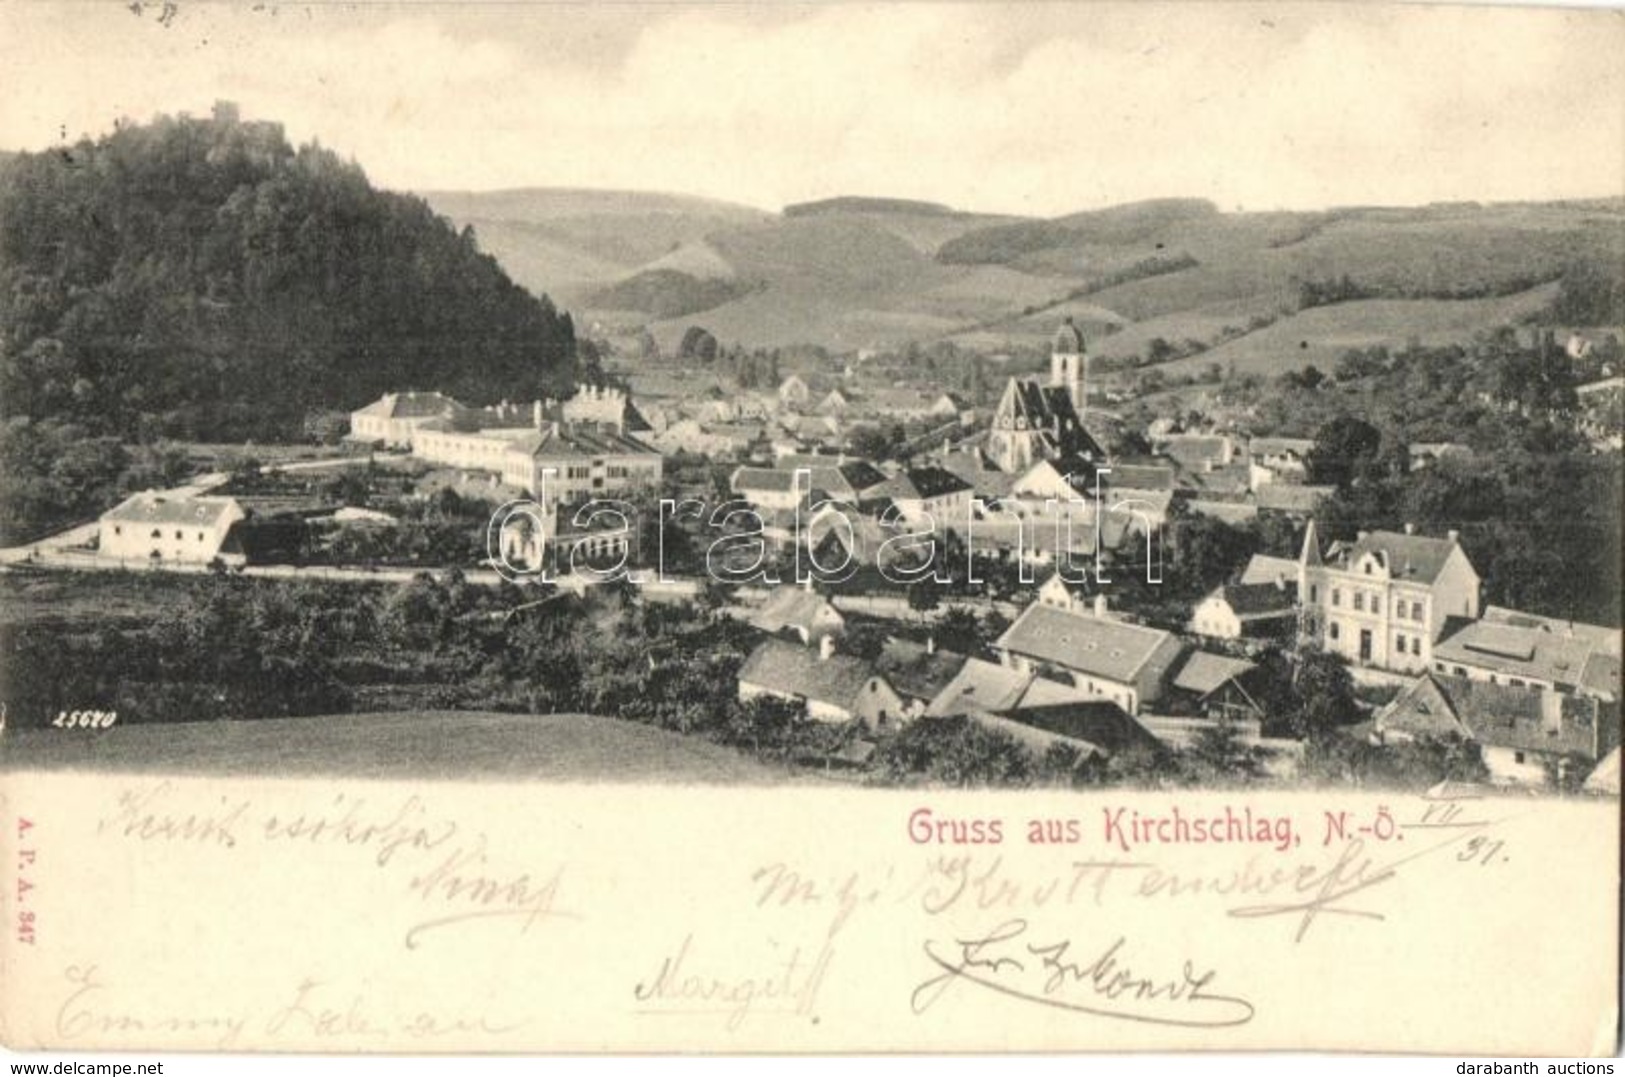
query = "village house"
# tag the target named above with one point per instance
(1384, 599)
(1125, 663)
(834, 687)
(794, 392)
(1295, 501)
(1214, 686)
(1284, 460)
(1527, 736)
(931, 496)
(801, 611)
(1523, 650)
(1248, 611)
(1044, 422)
(155, 526)
(918, 672)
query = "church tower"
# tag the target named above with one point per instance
(1069, 363)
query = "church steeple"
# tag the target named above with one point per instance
(1068, 363)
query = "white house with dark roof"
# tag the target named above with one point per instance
(1127, 664)
(834, 687)
(155, 526)
(926, 495)
(1277, 460)
(1384, 599)
(572, 462)
(800, 610)
(1248, 611)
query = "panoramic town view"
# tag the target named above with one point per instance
(305, 474)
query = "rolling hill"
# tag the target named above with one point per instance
(849, 273)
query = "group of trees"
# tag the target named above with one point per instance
(203, 279)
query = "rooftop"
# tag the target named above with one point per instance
(1105, 648)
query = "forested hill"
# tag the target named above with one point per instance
(201, 278)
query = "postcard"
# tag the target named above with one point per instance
(828, 528)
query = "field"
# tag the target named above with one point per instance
(453, 745)
(854, 274)
(1320, 335)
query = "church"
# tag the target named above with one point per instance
(1036, 422)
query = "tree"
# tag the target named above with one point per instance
(1342, 450)
(698, 343)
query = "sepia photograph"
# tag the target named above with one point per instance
(1028, 526)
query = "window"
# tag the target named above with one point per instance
(200, 536)
(177, 534)
(1517, 757)
(1359, 600)
(1515, 682)
(1439, 666)
(118, 530)
(1368, 568)
(1460, 672)
(1331, 630)
(1376, 603)
(1337, 597)
(1399, 643)
(1416, 645)
(1314, 592)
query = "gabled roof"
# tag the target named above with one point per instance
(413, 405)
(1499, 715)
(789, 668)
(916, 672)
(1204, 673)
(1280, 446)
(1111, 650)
(1265, 569)
(157, 508)
(579, 439)
(1422, 709)
(1047, 409)
(1605, 779)
(980, 686)
(1257, 599)
(1098, 721)
(1290, 497)
(793, 607)
(1141, 476)
(1407, 557)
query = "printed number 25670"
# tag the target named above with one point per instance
(85, 719)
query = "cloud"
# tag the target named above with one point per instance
(1032, 108)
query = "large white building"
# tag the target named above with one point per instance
(160, 527)
(1383, 600)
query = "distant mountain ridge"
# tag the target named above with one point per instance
(851, 272)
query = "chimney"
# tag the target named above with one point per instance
(826, 647)
(1453, 535)
(1101, 606)
(536, 414)
(931, 643)
(1410, 528)
(1551, 712)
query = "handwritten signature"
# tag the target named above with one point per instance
(1007, 961)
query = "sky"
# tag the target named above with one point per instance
(1031, 108)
